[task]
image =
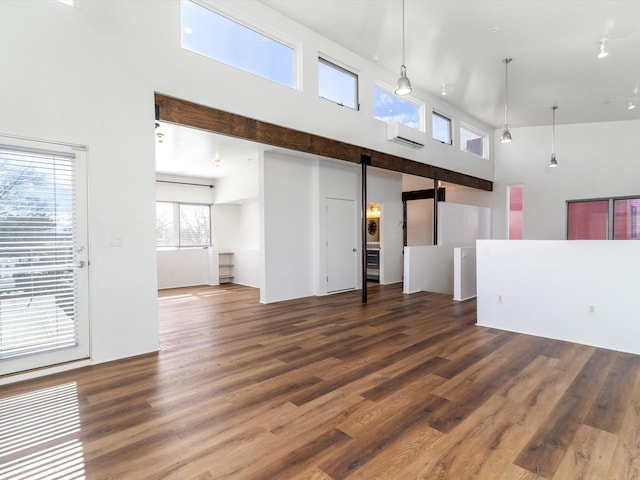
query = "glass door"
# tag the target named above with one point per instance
(43, 255)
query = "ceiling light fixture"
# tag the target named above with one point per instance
(553, 163)
(403, 85)
(444, 89)
(631, 105)
(159, 133)
(603, 49)
(506, 135)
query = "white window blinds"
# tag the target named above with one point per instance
(37, 276)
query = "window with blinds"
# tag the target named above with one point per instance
(37, 277)
(603, 219)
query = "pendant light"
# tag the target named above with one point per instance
(403, 85)
(506, 134)
(553, 163)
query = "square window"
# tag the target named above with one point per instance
(472, 141)
(337, 84)
(441, 128)
(183, 225)
(392, 109)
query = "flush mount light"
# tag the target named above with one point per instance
(603, 48)
(506, 134)
(553, 162)
(403, 85)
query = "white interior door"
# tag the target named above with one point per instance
(43, 255)
(342, 253)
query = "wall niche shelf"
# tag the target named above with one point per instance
(225, 267)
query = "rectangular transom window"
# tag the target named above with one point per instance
(392, 109)
(337, 84)
(603, 219)
(183, 225)
(210, 34)
(472, 141)
(441, 128)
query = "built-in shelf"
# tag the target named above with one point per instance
(225, 267)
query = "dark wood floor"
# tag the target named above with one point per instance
(406, 387)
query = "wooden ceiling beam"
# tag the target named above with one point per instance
(182, 112)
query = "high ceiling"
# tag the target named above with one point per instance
(553, 43)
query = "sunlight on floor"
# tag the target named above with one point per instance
(38, 435)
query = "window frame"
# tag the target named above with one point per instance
(340, 69)
(177, 228)
(480, 133)
(437, 113)
(420, 106)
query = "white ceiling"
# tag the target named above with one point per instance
(189, 152)
(553, 43)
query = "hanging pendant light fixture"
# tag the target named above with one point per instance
(553, 162)
(403, 85)
(506, 134)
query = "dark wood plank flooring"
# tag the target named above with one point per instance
(405, 387)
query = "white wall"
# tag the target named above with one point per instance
(238, 188)
(290, 225)
(184, 267)
(461, 225)
(236, 229)
(544, 288)
(420, 222)
(428, 269)
(464, 273)
(87, 76)
(595, 160)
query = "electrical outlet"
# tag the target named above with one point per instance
(591, 309)
(500, 299)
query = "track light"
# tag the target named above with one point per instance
(444, 89)
(506, 134)
(603, 49)
(631, 105)
(553, 163)
(403, 85)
